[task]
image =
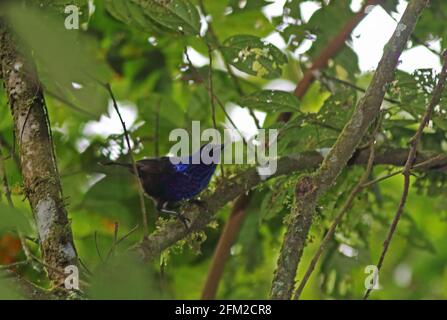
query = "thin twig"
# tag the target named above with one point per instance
(25, 248)
(342, 212)
(6, 188)
(115, 239)
(81, 262)
(134, 164)
(59, 271)
(428, 163)
(216, 98)
(354, 86)
(233, 77)
(157, 129)
(414, 141)
(97, 247)
(127, 234)
(7, 191)
(10, 150)
(13, 265)
(211, 94)
(310, 188)
(237, 216)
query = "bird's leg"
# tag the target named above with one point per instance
(163, 207)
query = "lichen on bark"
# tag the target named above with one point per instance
(38, 166)
(366, 111)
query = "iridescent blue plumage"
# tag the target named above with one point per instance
(187, 180)
(170, 179)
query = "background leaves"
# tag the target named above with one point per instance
(138, 46)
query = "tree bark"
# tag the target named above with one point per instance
(231, 188)
(310, 187)
(40, 175)
(238, 212)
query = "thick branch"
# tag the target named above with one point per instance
(232, 187)
(310, 187)
(233, 225)
(39, 171)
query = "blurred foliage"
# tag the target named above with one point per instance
(139, 47)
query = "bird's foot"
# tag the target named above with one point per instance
(183, 219)
(180, 216)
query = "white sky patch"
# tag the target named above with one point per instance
(403, 275)
(308, 8)
(280, 84)
(274, 9)
(111, 124)
(197, 59)
(242, 117)
(419, 57)
(93, 179)
(370, 37)
(372, 34)
(356, 5)
(348, 251)
(243, 120)
(76, 85)
(276, 39)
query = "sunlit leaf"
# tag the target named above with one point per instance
(179, 16)
(254, 56)
(271, 101)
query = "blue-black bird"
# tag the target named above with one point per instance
(167, 180)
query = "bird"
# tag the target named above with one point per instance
(168, 180)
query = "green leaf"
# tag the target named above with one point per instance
(254, 56)
(124, 278)
(179, 16)
(67, 60)
(338, 108)
(415, 90)
(13, 218)
(131, 14)
(238, 5)
(8, 290)
(271, 101)
(274, 202)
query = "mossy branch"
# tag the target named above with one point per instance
(310, 187)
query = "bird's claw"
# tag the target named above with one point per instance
(183, 219)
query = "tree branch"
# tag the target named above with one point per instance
(39, 171)
(230, 188)
(28, 289)
(132, 159)
(237, 215)
(311, 186)
(414, 141)
(341, 213)
(330, 51)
